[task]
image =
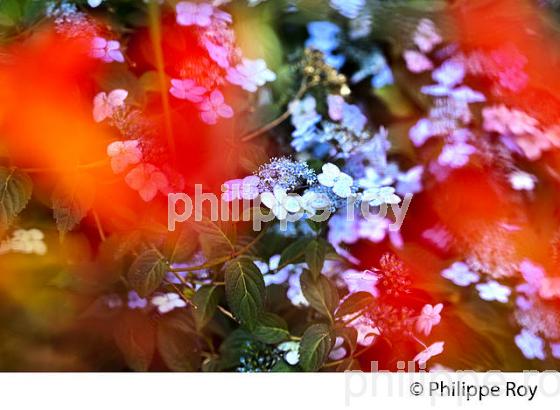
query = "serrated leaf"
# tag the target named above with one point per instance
(214, 240)
(178, 343)
(315, 253)
(15, 193)
(315, 346)
(71, 203)
(206, 302)
(147, 272)
(294, 253)
(135, 337)
(245, 290)
(354, 303)
(271, 329)
(320, 293)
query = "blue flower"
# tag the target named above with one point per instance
(353, 119)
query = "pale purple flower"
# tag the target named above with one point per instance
(214, 107)
(410, 182)
(336, 105)
(456, 155)
(555, 349)
(333, 177)
(123, 154)
(429, 317)
(460, 274)
(423, 130)
(338, 351)
(107, 50)
(167, 302)
(294, 293)
(187, 90)
(530, 344)
(373, 228)
(135, 301)
(250, 74)
(417, 62)
(105, 104)
(426, 36)
(268, 270)
(237, 189)
(431, 351)
(492, 290)
(220, 54)
(189, 14)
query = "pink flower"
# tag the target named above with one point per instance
(107, 50)
(123, 154)
(214, 107)
(429, 317)
(189, 14)
(417, 62)
(147, 180)
(187, 90)
(104, 105)
(431, 351)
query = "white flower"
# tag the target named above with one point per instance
(123, 154)
(246, 188)
(530, 344)
(429, 317)
(167, 302)
(26, 241)
(348, 8)
(250, 74)
(107, 50)
(460, 274)
(492, 290)
(312, 202)
(187, 90)
(147, 180)
(94, 3)
(431, 351)
(104, 105)
(280, 202)
(291, 352)
(360, 281)
(340, 182)
(522, 181)
(380, 195)
(189, 14)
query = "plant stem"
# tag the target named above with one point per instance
(155, 36)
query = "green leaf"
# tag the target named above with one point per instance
(71, 203)
(181, 246)
(15, 193)
(294, 253)
(135, 337)
(233, 347)
(315, 256)
(354, 303)
(320, 293)
(178, 343)
(316, 344)
(245, 290)
(283, 367)
(214, 240)
(147, 272)
(206, 301)
(271, 329)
